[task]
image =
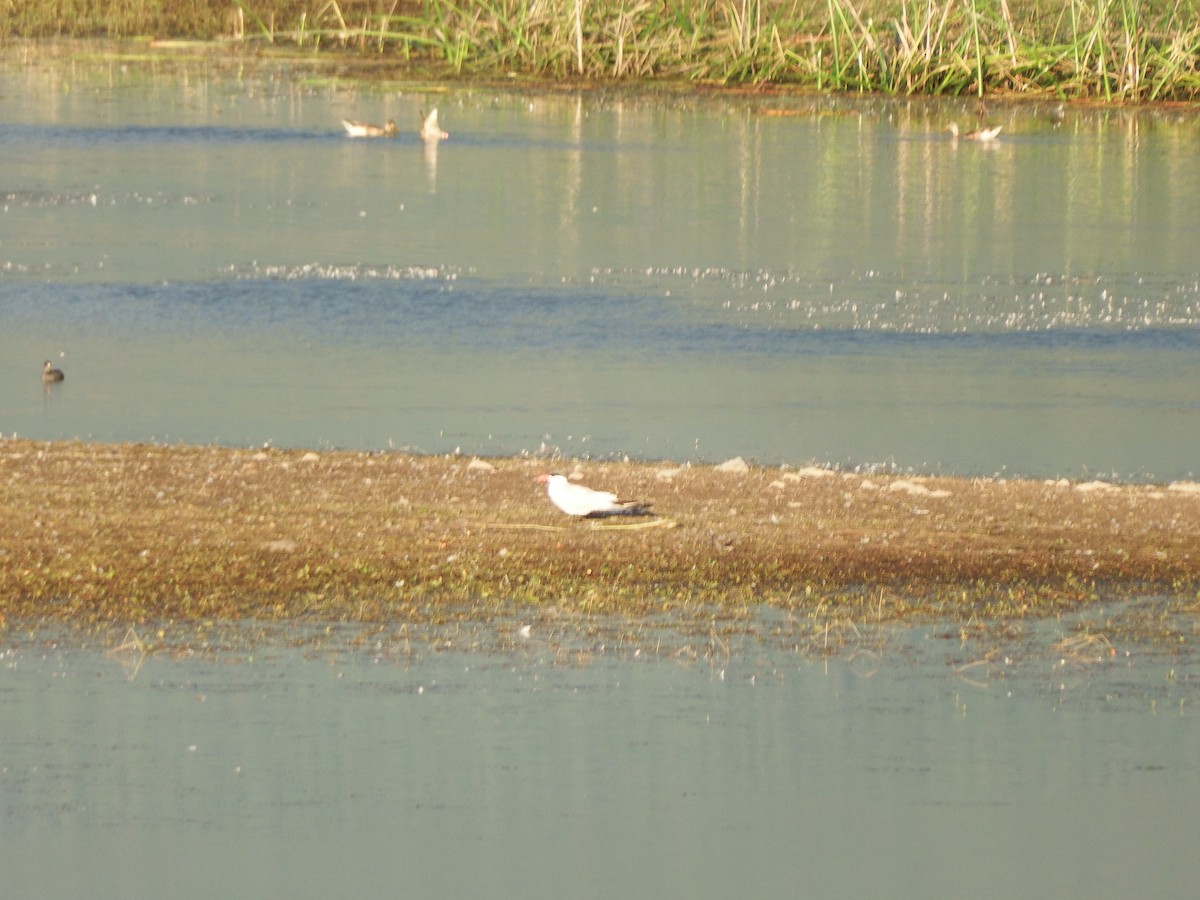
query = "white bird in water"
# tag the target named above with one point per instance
(577, 500)
(366, 129)
(979, 134)
(430, 130)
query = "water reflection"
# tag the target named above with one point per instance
(677, 277)
(130, 654)
(430, 152)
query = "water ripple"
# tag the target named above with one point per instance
(902, 303)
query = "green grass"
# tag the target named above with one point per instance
(1115, 50)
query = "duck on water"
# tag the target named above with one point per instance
(988, 133)
(366, 129)
(430, 129)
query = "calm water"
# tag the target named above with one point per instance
(552, 769)
(211, 260)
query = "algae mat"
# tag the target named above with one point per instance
(103, 535)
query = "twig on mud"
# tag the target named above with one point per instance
(523, 526)
(634, 526)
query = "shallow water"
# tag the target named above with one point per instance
(210, 259)
(551, 766)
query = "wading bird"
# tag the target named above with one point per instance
(577, 500)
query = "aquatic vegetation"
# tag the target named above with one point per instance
(1111, 49)
(184, 537)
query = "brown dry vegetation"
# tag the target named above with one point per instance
(101, 535)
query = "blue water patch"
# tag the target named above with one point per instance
(432, 310)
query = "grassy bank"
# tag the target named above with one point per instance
(1117, 50)
(101, 536)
